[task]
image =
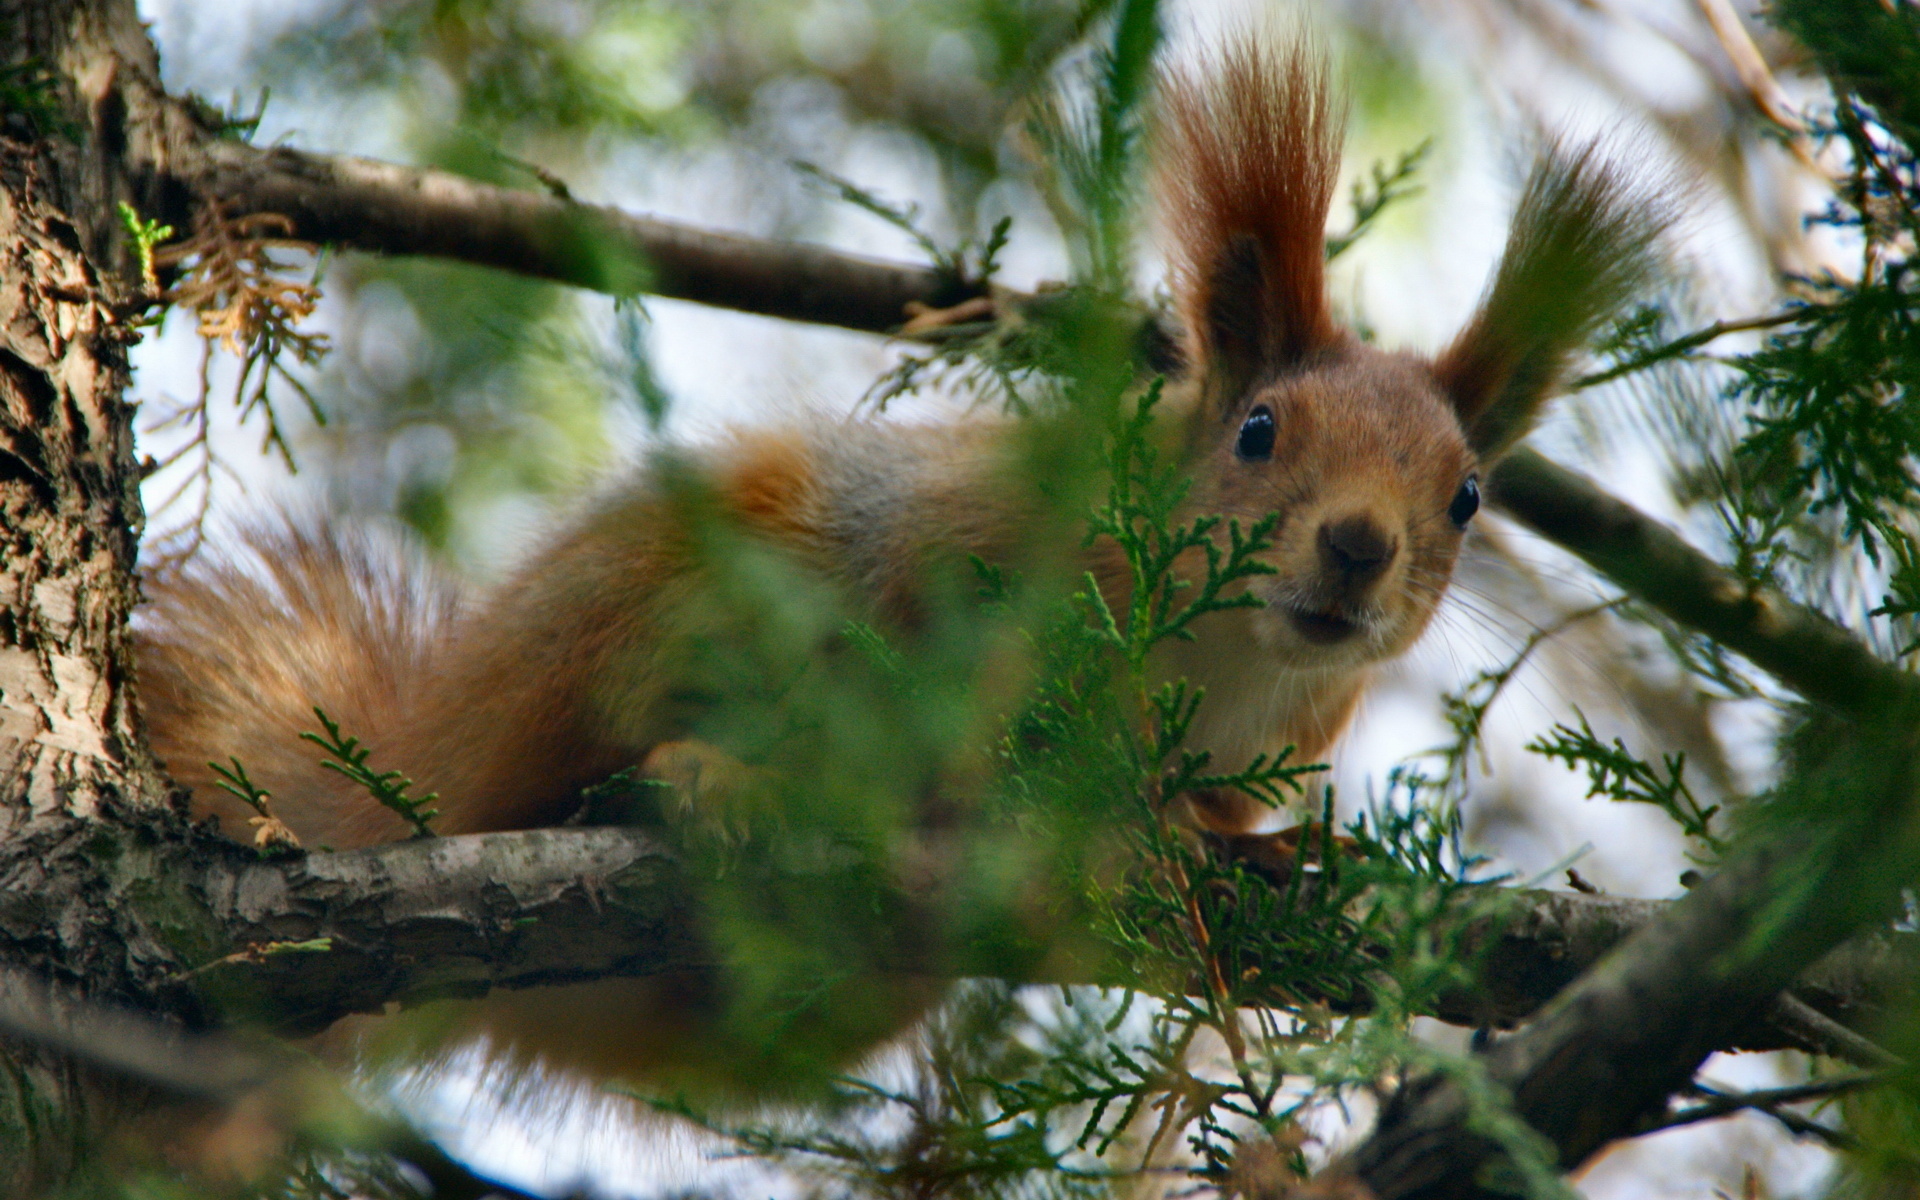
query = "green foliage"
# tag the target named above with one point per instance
(1373, 196)
(1614, 772)
(1816, 485)
(945, 1129)
(270, 833)
(1103, 741)
(1139, 515)
(388, 788)
(1830, 429)
(233, 781)
(1090, 134)
(1868, 49)
(145, 235)
(985, 355)
(28, 89)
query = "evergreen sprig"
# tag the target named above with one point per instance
(1373, 196)
(388, 788)
(1616, 773)
(966, 262)
(1090, 132)
(1371, 920)
(270, 832)
(145, 236)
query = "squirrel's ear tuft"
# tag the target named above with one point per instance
(1584, 241)
(1248, 155)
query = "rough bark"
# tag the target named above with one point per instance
(441, 917)
(69, 501)
(444, 917)
(70, 743)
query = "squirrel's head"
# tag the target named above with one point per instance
(1372, 460)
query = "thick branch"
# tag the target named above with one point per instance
(442, 917)
(186, 922)
(458, 916)
(391, 209)
(1797, 645)
(1543, 941)
(1615, 1045)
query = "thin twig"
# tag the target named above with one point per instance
(1772, 1102)
(1818, 1033)
(1680, 345)
(1748, 63)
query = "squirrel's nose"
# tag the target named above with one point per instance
(1356, 547)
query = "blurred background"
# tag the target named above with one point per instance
(473, 408)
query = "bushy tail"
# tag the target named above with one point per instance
(235, 654)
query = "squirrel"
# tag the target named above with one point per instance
(509, 704)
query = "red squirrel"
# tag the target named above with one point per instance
(510, 703)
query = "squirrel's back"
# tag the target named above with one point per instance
(509, 702)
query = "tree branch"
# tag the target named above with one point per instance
(389, 209)
(1545, 940)
(440, 917)
(459, 916)
(1798, 646)
(1771, 1101)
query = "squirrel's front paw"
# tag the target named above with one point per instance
(713, 794)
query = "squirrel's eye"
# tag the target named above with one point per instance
(1256, 436)
(1466, 501)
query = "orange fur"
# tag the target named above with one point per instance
(583, 662)
(234, 657)
(1250, 155)
(769, 481)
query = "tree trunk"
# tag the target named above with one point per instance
(70, 744)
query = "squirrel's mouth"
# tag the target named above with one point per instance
(1322, 628)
